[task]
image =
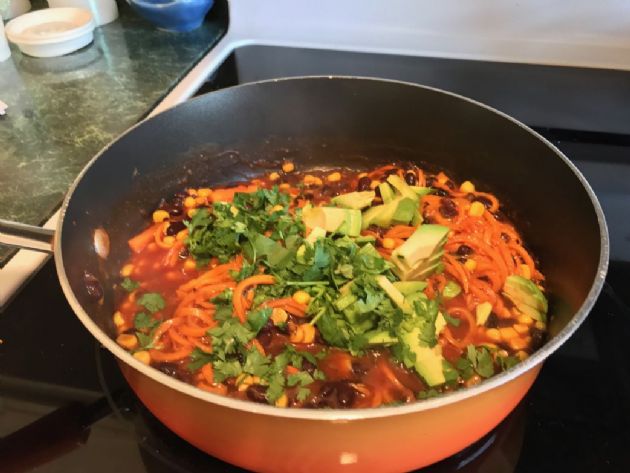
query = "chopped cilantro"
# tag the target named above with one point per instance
(145, 341)
(129, 285)
(144, 321)
(303, 393)
(198, 358)
(481, 360)
(152, 301)
(454, 321)
(258, 318)
(506, 362)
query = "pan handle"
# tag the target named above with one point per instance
(27, 237)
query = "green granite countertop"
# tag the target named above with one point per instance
(63, 110)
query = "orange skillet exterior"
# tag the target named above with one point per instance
(277, 444)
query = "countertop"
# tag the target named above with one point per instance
(63, 110)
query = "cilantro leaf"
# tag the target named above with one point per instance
(481, 360)
(129, 285)
(302, 394)
(144, 321)
(198, 358)
(145, 341)
(258, 318)
(152, 301)
(454, 321)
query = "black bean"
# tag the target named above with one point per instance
(464, 250)
(505, 237)
(176, 212)
(430, 181)
(492, 321)
(256, 393)
(538, 338)
(175, 227)
(441, 193)
(326, 390)
(411, 178)
(450, 184)
(183, 253)
(168, 368)
(377, 192)
(308, 367)
(448, 209)
(92, 286)
(484, 200)
(389, 172)
(364, 184)
(358, 368)
(345, 394)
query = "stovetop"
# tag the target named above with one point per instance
(64, 406)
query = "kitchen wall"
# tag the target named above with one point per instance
(589, 33)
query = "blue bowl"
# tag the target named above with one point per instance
(173, 15)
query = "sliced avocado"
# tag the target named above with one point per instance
(362, 239)
(405, 211)
(316, 234)
(380, 215)
(409, 287)
(380, 337)
(421, 270)
(332, 219)
(387, 193)
(452, 289)
(428, 361)
(526, 296)
(394, 294)
(421, 191)
(426, 240)
(440, 323)
(401, 186)
(354, 200)
(482, 312)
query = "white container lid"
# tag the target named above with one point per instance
(52, 31)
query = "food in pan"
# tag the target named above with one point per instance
(332, 288)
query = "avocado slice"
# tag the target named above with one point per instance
(428, 362)
(354, 200)
(333, 219)
(380, 215)
(482, 312)
(440, 323)
(425, 241)
(526, 296)
(387, 193)
(405, 211)
(380, 337)
(401, 186)
(409, 287)
(394, 294)
(421, 191)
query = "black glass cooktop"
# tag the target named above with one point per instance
(64, 406)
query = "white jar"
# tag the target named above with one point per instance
(103, 11)
(5, 52)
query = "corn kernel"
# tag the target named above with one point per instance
(160, 216)
(192, 192)
(279, 316)
(474, 379)
(189, 202)
(508, 333)
(190, 265)
(540, 325)
(274, 176)
(201, 200)
(363, 174)
(388, 243)
(282, 401)
(467, 186)
(493, 334)
(247, 381)
(522, 355)
(442, 178)
(519, 343)
(308, 333)
(502, 353)
(476, 209)
(169, 240)
(296, 334)
(470, 264)
(334, 177)
(119, 321)
(126, 270)
(288, 166)
(234, 211)
(181, 235)
(205, 192)
(374, 184)
(277, 208)
(143, 356)
(301, 297)
(309, 179)
(127, 341)
(521, 329)
(523, 270)
(525, 319)
(284, 187)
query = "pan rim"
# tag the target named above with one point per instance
(343, 415)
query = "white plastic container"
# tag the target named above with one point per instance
(12, 8)
(52, 31)
(5, 52)
(103, 11)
